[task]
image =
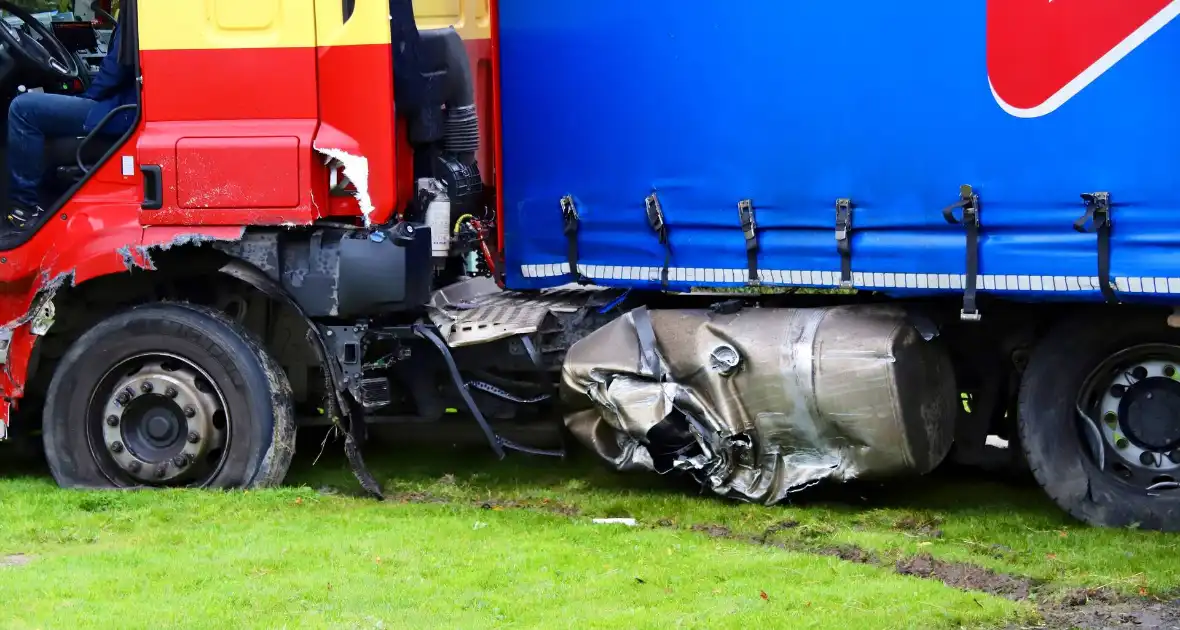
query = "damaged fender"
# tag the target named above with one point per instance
(254, 277)
(30, 312)
(763, 402)
(67, 251)
(334, 379)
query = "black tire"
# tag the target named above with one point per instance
(1051, 436)
(257, 425)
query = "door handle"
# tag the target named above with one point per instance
(153, 187)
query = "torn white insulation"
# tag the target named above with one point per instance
(356, 169)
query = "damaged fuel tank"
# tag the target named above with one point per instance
(765, 401)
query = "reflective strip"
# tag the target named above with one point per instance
(864, 280)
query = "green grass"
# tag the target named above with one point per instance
(1010, 527)
(465, 541)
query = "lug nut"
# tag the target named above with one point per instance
(124, 397)
(112, 421)
(190, 411)
(135, 467)
(194, 437)
(1121, 443)
(171, 392)
(146, 388)
(1174, 456)
(1139, 373)
(180, 461)
(1118, 390)
(1111, 418)
(116, 447)
(1147, 459)
(161, 471)
(1170, 371)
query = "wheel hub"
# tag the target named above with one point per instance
(1150, 413)
(160, 427)
(151, 427)
(164, 421)
(1139, 420)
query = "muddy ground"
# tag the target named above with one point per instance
(1084, 609)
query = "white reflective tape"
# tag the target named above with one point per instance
(874, 280)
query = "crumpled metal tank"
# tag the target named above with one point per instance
(762, 402)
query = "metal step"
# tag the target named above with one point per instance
(476, 311)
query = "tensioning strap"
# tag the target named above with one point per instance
(750, 231)
(655, 218)
(969, 204)
(569, 227)
(1098, 217)
(844, 240)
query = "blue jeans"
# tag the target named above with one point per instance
(32, 118)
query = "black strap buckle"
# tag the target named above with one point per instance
(1097, 215)
(570, 224)
(969, 203)
(970, 206)
(1099, 219)
(569, 216)
(655, 218)
(844, 240)
(655, 213)
(750, 231)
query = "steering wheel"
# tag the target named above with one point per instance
(44, 53)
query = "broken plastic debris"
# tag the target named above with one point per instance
(629, 522)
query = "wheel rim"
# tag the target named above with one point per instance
(1130, 406)
(159, 419)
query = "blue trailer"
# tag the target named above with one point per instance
(1002, 172)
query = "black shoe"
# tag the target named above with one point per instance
(21, 217)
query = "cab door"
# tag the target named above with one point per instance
(357, 138)
(230, 111)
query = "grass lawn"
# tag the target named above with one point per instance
(467, 542)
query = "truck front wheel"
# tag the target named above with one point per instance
(168, 395)
(1100, 419)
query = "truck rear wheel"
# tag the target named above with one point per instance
(1100, 419)
(169, 395)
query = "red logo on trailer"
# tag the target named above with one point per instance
(1040, 53)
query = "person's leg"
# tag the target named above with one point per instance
(32, 117)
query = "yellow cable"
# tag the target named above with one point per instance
(460, 220)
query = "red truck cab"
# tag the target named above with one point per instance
(180, 302)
